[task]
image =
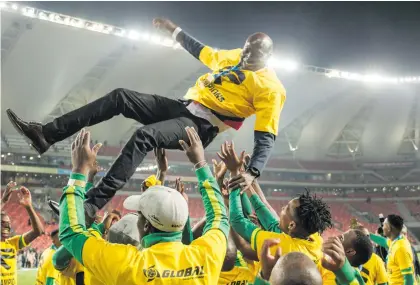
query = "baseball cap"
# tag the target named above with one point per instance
(164, 207)
(125, 231)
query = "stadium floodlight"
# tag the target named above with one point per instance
(2, 156)
(28, 11)
(120, 32)
(333, 74)
(145, 36)
(133, 35)
(288, 65)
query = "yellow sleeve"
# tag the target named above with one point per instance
(114, 259)
(17, 242)
(404, 259)
(41, 275)
(213, 242)
(259, 236)
(268, 106)
(218, 59)
(381, 274)
(328, 277)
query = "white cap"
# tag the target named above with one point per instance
(125, 231)
(164, 207)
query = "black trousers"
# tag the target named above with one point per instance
(164, 123)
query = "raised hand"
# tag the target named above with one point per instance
(92, 172)
(195, 150)
(334, 254)
(219, 169)
(25, 198)
(8, 192)
(164, 25)
(110, 219)
(179, 186)
(228, 155)
(83, 157)
(267, 259)
(161, 160)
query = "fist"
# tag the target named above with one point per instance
(164, 25)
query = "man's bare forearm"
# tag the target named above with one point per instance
(260, 193)
(37, 226)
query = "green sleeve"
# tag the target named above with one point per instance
(50, 281)
(408, 279)
(61, 258)
(98, 227)
(383, 284)
(246, 205)
(381, 241)
(214, 206)
(268, 221)
(187, 235)
(239, 223)
(88, 186)
(259, 281)
(347, 274)
(73, 234)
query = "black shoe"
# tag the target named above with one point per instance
(31, 131)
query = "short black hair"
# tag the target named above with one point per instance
(54, 233)
(363, 247)
(396, 221)
(314, 214)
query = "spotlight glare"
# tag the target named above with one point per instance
(155, 39)
(134, 35)
(15, 7)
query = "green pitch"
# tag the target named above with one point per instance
(26, 277)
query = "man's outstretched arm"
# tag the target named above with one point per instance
(210, 57)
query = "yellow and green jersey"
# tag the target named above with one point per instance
(9, 250)
(374, 272)
(256, 236)
(239, 93)
(164, 259)
(47, 274)
(399, 261)
(241, 274)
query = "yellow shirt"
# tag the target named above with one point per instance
(9, 250)
(243, 273)
(239, 93)
(74, 274)
(162, 263)
(311, 247)
(399, 261)
(46, 271)
(374, 272)
(328, 277)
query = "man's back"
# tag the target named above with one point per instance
(169, 262)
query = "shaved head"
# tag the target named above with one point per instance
(256, 51)
(295, 268)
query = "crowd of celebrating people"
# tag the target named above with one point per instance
(240, 240)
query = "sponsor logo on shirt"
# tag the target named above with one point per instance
(152, 273)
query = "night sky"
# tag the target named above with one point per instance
(379, 37)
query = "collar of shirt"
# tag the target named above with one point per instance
(152, 239)
(53, 247)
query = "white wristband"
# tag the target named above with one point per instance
(176, 32)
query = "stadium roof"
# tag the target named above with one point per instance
(49, 69)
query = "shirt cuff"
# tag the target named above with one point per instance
(176, 32)
(345, 274)
(203, 173)
(77, 179)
